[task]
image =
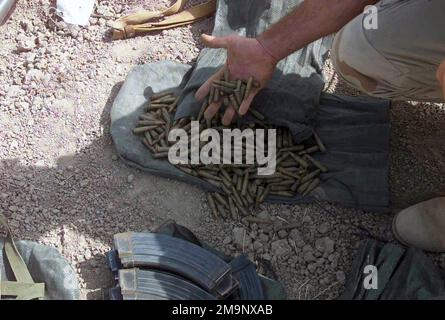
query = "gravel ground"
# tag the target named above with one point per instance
(62, 184)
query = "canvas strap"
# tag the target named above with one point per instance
(138, 23)
(24, 287)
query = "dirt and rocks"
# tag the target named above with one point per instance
(61, 182)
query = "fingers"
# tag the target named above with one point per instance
(212, 109)
(228, 116)
(204, 90)
(214, 42)
(245, 105)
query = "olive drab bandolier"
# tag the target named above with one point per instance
(145, 21)
(24, 287)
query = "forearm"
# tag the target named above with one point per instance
(310, 21)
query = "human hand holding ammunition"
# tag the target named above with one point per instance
(246, 58)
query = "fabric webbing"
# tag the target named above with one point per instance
(24, 287)
(139, 22)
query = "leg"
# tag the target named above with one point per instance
(399, 60)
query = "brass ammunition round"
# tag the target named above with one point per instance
(245, 184)
(265, 194)
(232, 207)
(302, 188)
(286, 194)
(163, 149)
(257, 220)
(148, 136)
(150, 123)
(293, 148)
(289, 174)
(223, 89)
(212, 205)
(166, 100)
(320, 144)
(239, 83)
(143, 129)
(238, 98)
(314, 184)
(226, 74)
(204, 174)
(173, 106)
(310, 176)
(161, 95)
(234, 103)
(309, 150)
(221, 200)
(155, 106)
(298, 159)
(248, 87)
(225, 174)
(216, 95)
(316, 163)
(160, 155)
(212, 93)
(239, 183)
(228, 85)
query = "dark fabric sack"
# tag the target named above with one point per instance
(355, 130)
(402, 273)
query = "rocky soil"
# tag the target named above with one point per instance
(61, 182)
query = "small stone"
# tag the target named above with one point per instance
(267, 257)
(263, 238)
(324, 228)
(341, 276)
(325, 245)
(312, 267)
(280, 247)
(282, 234)
(87, 255)
(114, 157)
(308, 256)
(241, 238)
(295, 235)
(257, 245)
(130, 178)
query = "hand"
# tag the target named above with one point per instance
(245, 57)
(441, 76)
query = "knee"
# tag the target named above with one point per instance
(349, 58)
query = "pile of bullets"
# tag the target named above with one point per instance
(242, 189)
(156, 123)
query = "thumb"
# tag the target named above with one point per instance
(214, 42)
